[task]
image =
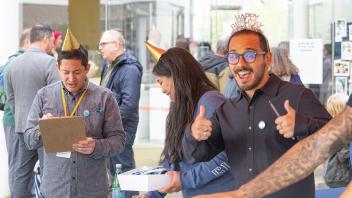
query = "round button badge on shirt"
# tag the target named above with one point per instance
(86, 113)
(261, 124)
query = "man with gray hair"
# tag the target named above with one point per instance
(122, 75)
(26, 75)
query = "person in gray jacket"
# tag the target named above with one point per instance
(26, 75)
(81, 172)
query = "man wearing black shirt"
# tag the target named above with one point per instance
(293, 166)
(252, 133)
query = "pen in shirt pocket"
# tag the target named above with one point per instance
(276, 113)
(274, 109)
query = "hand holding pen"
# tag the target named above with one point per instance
(285, 124)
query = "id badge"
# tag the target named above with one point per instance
(64, 154)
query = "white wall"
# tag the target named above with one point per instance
(9, 23)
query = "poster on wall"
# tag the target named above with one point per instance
(307, 55)
(341, 68)
(346, 50)
(340, 30)
(350, 32)
(341, 84)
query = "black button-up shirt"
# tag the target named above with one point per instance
(246, 129)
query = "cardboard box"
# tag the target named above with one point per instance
(128, 181)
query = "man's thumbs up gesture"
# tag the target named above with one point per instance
(201, 127)
(286, 124)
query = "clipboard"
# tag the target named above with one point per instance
(59, 133)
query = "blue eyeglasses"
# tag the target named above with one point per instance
(249, 57)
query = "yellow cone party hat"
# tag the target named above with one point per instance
(70, 42)
(154, 51)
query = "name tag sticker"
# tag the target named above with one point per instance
(64, 154)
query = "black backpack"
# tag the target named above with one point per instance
(337, 169)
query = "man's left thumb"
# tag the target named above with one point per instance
(288, 107)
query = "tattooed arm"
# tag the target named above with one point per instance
(300, 160)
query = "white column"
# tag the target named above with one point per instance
(300, 19)
(9, 23)
(328, 17)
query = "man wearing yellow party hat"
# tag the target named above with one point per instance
(80, 172)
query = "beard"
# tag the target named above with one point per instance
(253, 83)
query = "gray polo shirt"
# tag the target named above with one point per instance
(79, 175)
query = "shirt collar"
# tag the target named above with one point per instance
(271, 88)
(79, 92)
(36, 49)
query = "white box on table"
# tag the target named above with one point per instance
(129, 181)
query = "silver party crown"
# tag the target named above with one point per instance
(247, 21)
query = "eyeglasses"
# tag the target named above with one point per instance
(102, 44)
(249, 57)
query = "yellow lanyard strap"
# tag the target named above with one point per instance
(76, 105)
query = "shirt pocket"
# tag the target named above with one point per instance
(94, 124)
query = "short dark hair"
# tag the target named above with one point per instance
(79, 54)
(264, 44)
(38, 32)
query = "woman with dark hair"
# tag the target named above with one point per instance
(182, 78)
